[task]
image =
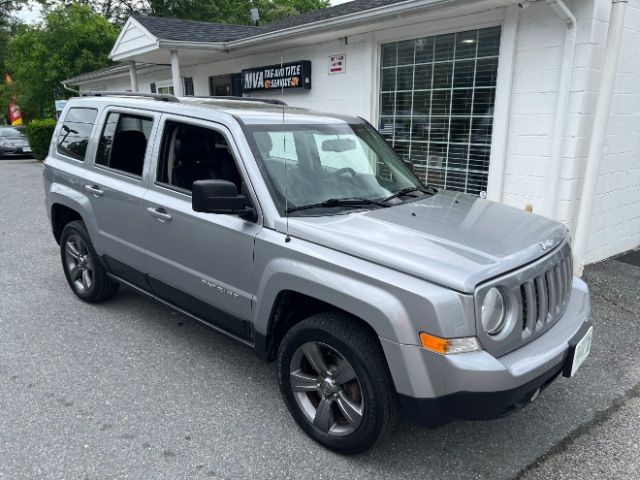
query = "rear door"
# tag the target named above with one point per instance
(117, 186)
(200, 262)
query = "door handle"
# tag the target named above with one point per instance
(95, 190)
(160, 213)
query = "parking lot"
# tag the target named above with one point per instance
(131, 389)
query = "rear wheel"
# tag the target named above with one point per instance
(334, 379)
(85, 273)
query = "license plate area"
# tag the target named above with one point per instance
(578, 352)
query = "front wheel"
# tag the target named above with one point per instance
(334, 379)
(85, 273)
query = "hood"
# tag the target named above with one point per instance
(452, 239)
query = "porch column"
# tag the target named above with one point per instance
(175, 74)
(134, 76)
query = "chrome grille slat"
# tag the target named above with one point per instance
(532, 311)
(551, 292)
(543, 305)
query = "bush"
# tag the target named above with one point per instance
(39, 133)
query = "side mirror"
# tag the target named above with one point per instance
(218, 196)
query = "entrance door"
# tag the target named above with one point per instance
(225, 85)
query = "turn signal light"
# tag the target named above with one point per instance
(447, 346)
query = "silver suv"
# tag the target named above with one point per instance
(305, 236)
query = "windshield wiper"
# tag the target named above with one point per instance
(339, 202)
(405, 191)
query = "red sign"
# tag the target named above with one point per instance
(337, 63)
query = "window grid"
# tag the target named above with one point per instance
(447, 141)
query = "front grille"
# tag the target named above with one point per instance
(544, 298)
(537, 296)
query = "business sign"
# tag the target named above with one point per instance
(337, 63)
(60, 105)
(274, 77)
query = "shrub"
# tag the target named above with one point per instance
(39, 133)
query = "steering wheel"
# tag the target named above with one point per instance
(346, 170)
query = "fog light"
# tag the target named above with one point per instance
(447, 346)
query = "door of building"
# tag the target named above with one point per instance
(225, 85)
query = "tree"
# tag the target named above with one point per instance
(236, 11)
(222, 11)
(71, 40)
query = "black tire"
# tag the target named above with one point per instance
(345, 336)
(101, 287)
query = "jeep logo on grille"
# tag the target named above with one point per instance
(547, 244)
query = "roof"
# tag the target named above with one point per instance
(196, 31)
(118, 68)
(354, 6)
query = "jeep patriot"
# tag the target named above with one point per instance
(305, 236)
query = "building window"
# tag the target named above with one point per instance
(188, 86)
(152, 87)
(436, 105)
(166, 90)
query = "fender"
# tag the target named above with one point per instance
(397, 306)
(59, 192)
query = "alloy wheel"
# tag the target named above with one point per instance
(326, 389)
(79, 263)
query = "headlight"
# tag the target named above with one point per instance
(493, 312)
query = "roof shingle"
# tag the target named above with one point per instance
(196, 31)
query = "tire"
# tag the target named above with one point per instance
(82, 267)
(346, 417)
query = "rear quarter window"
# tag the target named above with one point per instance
(74, 134)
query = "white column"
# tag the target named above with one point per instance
(134, 76)
(502, 106)
(560, 124)
(598, 133)
(175, 74)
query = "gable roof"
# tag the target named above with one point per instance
(194, 31)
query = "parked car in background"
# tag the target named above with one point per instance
(14, 143)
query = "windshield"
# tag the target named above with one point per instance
(11, 132)
(328, 162)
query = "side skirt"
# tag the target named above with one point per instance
(214, 318)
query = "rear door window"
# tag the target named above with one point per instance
(123, 143)
(73, 138)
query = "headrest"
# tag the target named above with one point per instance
(192, 147)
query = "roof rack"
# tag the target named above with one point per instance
(155, 96)
(271, 101)
(164, 97)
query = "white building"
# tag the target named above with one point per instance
(480, 95)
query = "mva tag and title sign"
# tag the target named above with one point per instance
(288, 75)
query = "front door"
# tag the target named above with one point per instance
(200, 262)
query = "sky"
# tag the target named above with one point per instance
(31, 14)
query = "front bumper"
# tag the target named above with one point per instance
(434, 389)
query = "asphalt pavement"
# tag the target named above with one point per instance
(130, 389)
